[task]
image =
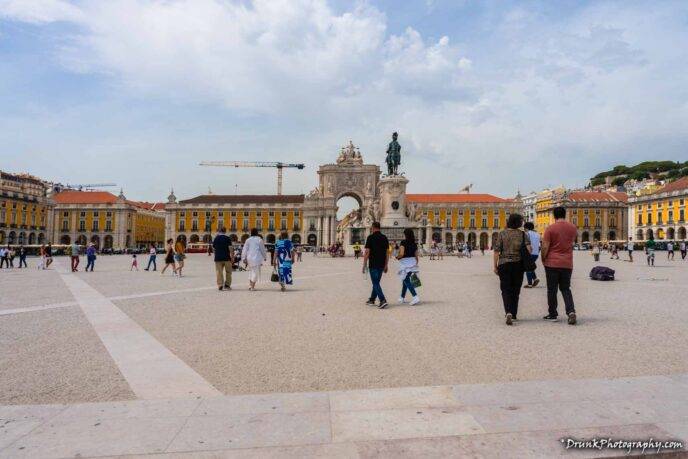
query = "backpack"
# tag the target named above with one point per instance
(602, 273)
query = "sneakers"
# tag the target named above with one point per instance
(527, 286)
(383, 304)
(220, 288)
(509, 319)
(551, 318)
(572, 318)
(536, 282)
(415, 300)
(401, 300)
(370, 302)
(227, 287)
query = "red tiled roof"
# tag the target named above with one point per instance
(455, 198)
(245, 198)
(149, 205)
(84, 197)
(676, 185)
(598, 196)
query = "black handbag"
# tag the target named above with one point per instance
(274, 277)
(526, 259)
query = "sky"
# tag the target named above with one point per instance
(506, 95)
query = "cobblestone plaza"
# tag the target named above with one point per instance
(181, 363)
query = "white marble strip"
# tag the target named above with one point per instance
(152, 370)
(5, 312)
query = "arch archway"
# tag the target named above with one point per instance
(596, 236)
(611, 236)
(194, 239)
(296, 238)
(32, 238)
(207, 238)
(107, 242)
(233, 237)
(639, 235)
(671, 233)
(483, 240)
(449, 239)
(585, 237)
(244, 237)
(650, 234)
(65, 240)
(270, 238)
(682, 233)
(437, 237)
(22, 238)
(96, 240)
(495, 235)
(12, 237)
(41, 238)
(471, 238)
(312, 239)
(460, 238)
(81, 240)
(182, 238)
(660, 233)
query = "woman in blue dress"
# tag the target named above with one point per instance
(282, 259)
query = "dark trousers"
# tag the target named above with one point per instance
(559, 279)
(75, 262)
(407, 285)
(151, 259)
(530, 275)
(4, 261)
(90, 262)
(22, 261)
(375, 277)
(510, 280)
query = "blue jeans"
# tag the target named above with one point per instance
(151, 259)
(91, 259)
(375, 277)
(530, 275)
(407, 285)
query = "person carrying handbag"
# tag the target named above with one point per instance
(511, 260)
(408, 267)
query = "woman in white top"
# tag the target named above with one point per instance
(253, 254)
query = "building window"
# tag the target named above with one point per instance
(284, 214)
(82, 225)
(283, 225)
(233, 224)
(65, 225)
(207, 224)
(671, 216)
(245, 214)
(108, 214)
(659, 218)
(496, 223)
(681, 216)
(311, 224)
(244, 225)
(182, 225)
(484, 222)
(95, 214)
(96, 225)
(83, 214)
(194, 214)
(472, 222)
(108, 225)
(586, 222)
(640, 219)
(259, 224)
(448, 222)
(194, 225)
(65, 214)
(612, 222)
(271, 224)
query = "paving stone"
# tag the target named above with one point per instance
(96, 437)
(252, 430)
(141, 409)
(332, 450)
(264, 403)
(11, 430)
(384, 399)
(401, 423)
(30, 412)
(678, 430)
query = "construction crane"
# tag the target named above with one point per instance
(57, 187)
(278, 165)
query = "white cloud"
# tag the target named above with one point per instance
(39, 11)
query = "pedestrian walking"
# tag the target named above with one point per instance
(41, 260)
(629, 249)
(282, 260)
(11, 256)
(650, 246)
(4, 257)
(152, 255)
(534, 237)
(253, 254)
(682, 248)
(557, 256)
(169, 257)
(90, 256)
(299, 253)
(134, 263)
(224, 257)
(408, 266)
(508, 263)
(595, 252)
(179, 256)
(376, 259)
(357, 250)
(22, 256)
(74, 251)
(615, 252)
(670, 251)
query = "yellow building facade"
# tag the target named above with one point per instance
(463, 217)
(106, 220)
(24, 210)
(660, 215)
(198, 219)
(598, 215)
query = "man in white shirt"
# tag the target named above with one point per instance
(3, 258)
(534, 253)
(682, 248)
(629, 248)
(670, 251)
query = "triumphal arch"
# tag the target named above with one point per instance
(380, 198)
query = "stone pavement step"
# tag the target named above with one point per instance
(520, 419)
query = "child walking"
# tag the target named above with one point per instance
(134, 263)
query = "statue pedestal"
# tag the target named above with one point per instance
(392, 192)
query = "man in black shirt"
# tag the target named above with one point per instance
(222, 246)
(376, 256)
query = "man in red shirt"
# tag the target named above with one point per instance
(557, 257)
